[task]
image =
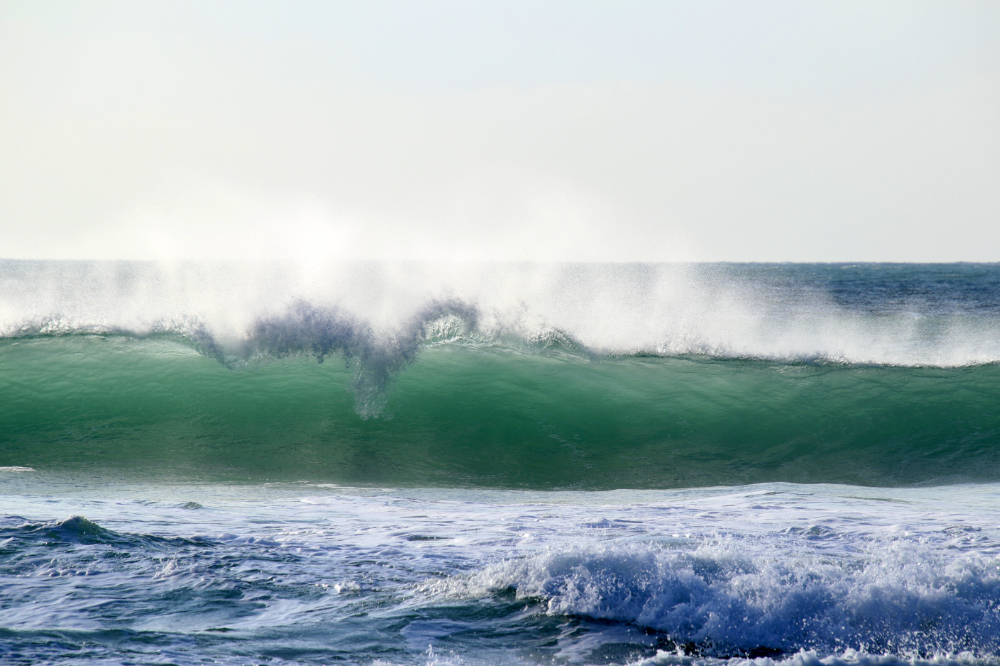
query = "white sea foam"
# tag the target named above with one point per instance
(732, 594)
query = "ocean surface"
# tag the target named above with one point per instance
(499, 463)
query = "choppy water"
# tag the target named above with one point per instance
(305, 574)
(499, 464)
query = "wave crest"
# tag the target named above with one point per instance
(728, 597)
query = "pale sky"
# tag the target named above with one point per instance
(615, 131)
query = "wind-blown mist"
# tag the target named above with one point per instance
(821, 312)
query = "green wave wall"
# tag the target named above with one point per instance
(493, 417)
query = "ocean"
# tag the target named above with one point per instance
(507, 463)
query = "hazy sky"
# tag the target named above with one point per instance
(740, 131)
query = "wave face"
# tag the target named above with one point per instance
(505, 376)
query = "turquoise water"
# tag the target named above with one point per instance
(470, 416)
